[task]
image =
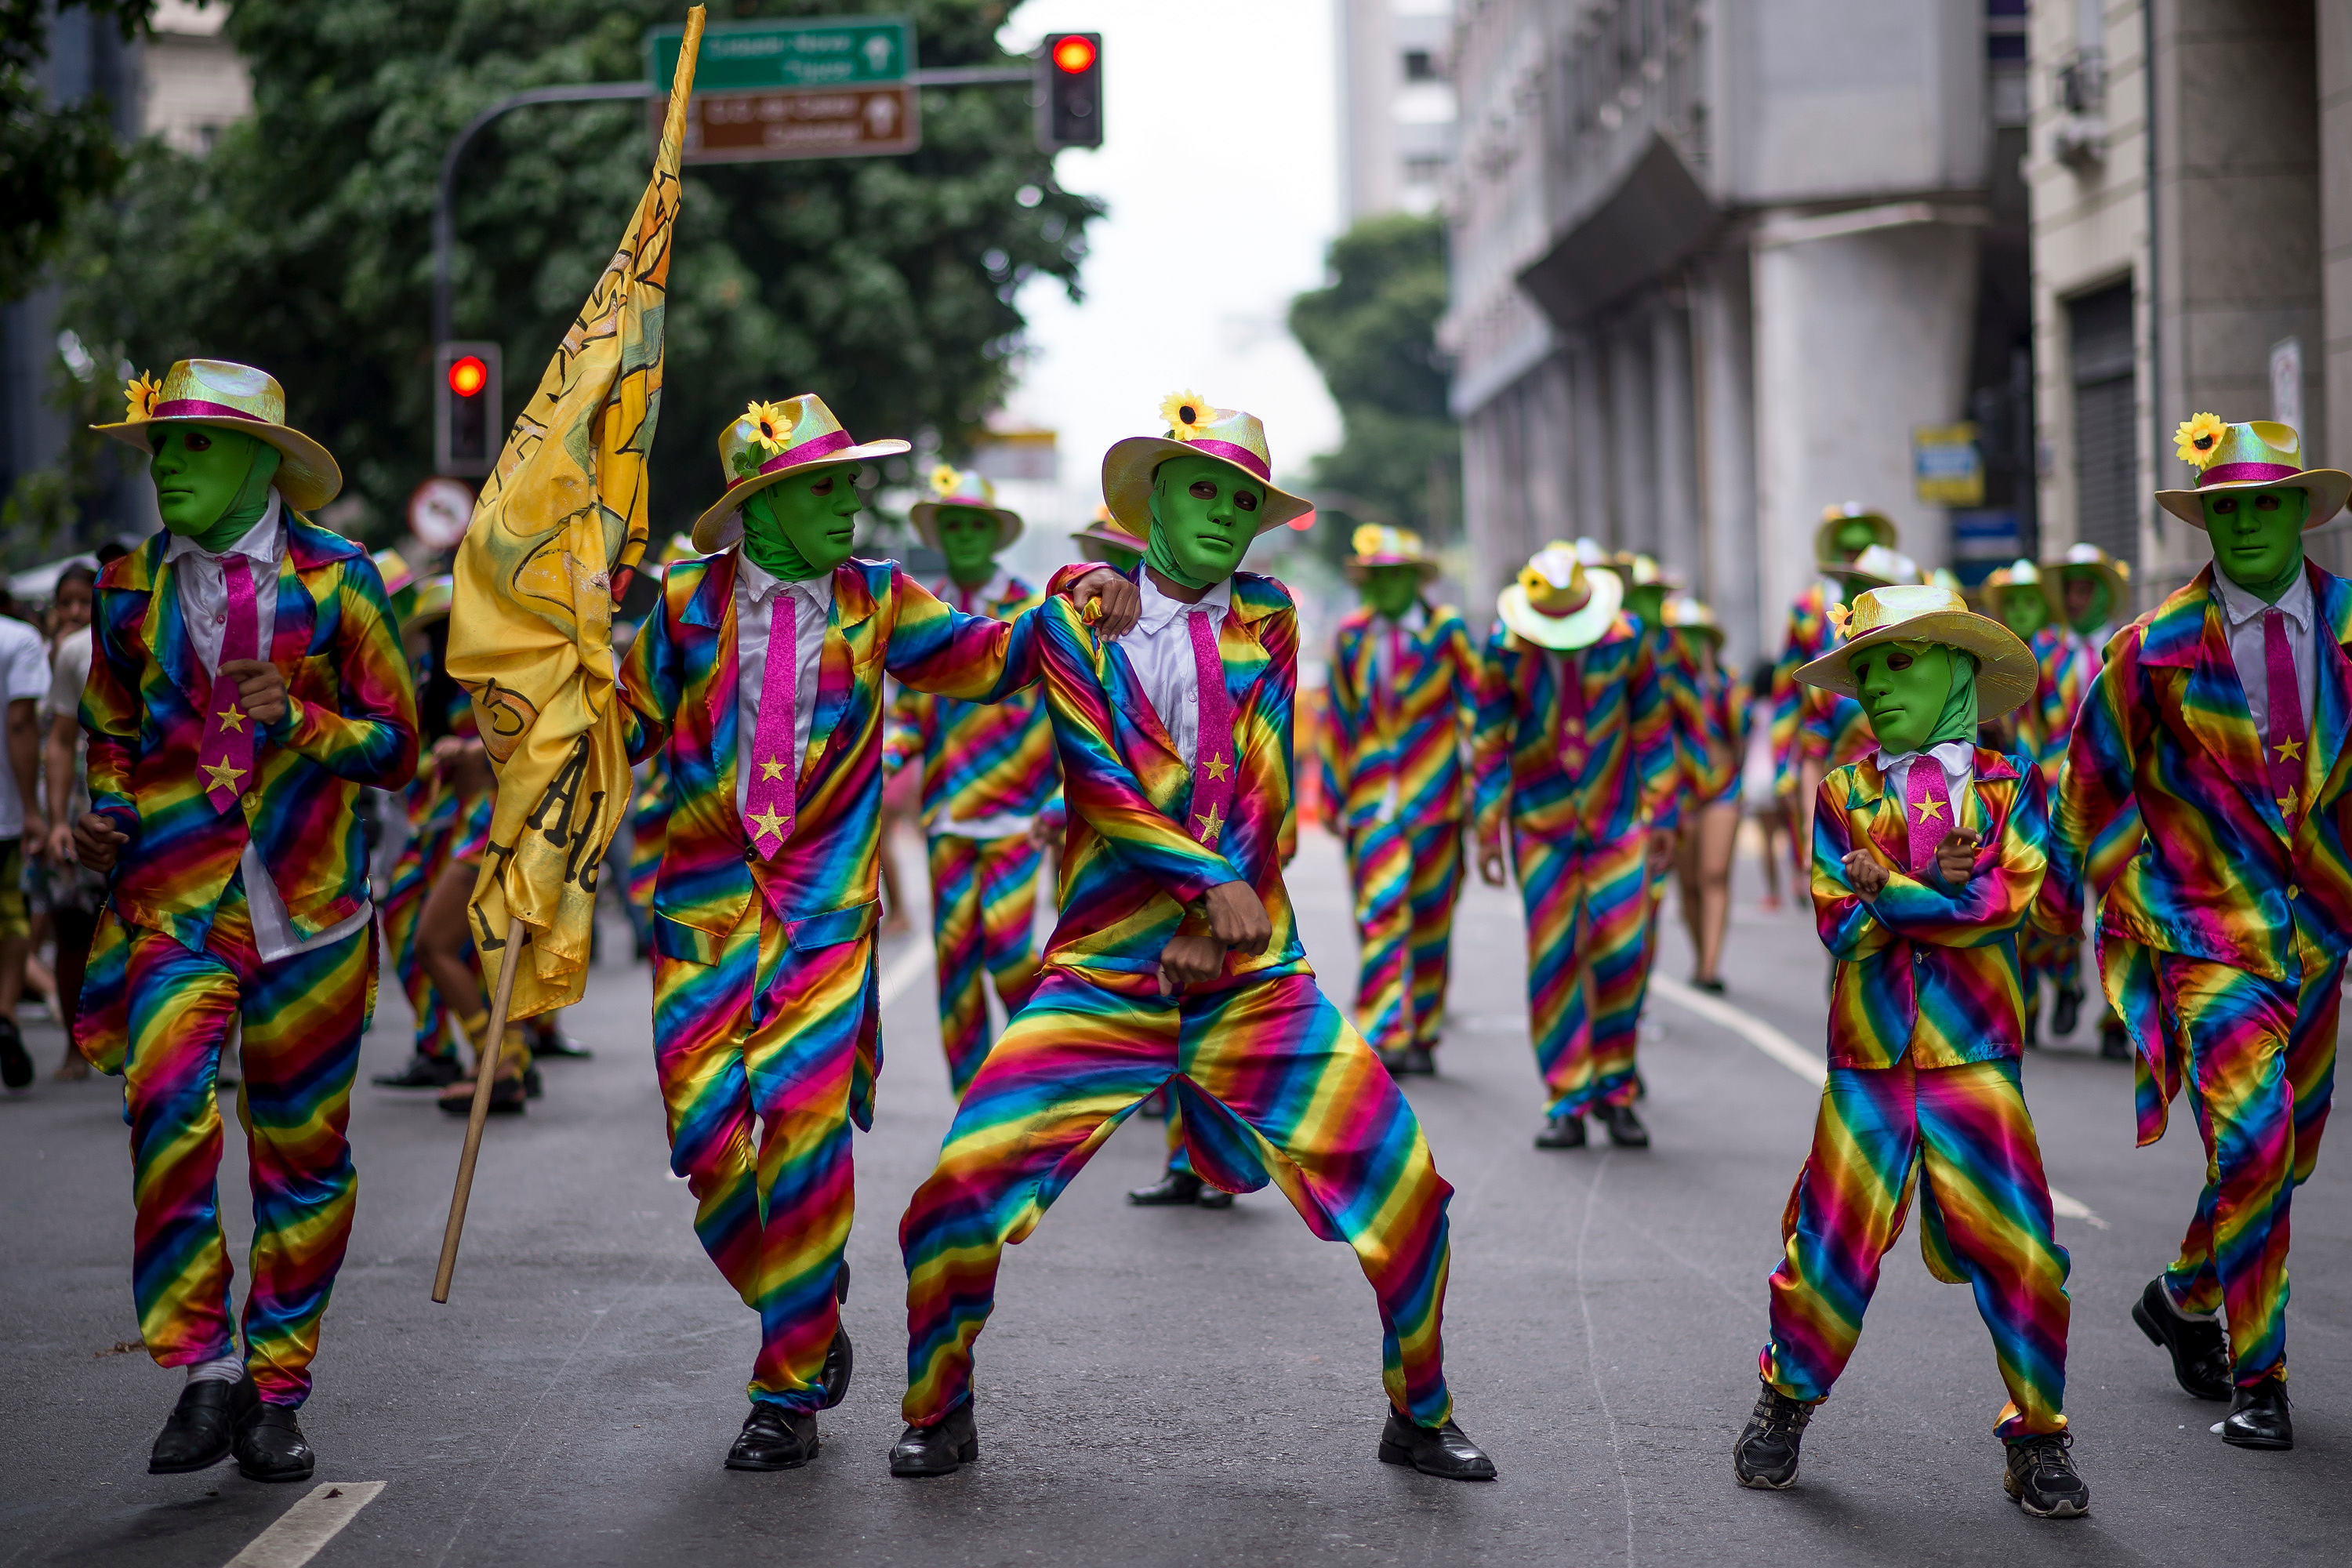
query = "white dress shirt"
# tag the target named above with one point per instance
(1379, 631)
(1957, 758)
(755, 600)
(972, 601)
(203, 583)
(2241, 618)
(1160, 647)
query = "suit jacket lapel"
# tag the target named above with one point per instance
(297, 612)
(853, 607)
(164, 629)
(2213, 708)
(2332, 595)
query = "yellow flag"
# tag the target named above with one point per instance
(530, 628)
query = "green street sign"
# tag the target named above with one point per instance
(751, 57)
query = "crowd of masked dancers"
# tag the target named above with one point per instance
(1968, 794)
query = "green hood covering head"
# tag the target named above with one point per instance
(1917, 694)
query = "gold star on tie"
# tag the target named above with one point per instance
(2286, 806)
(769, 825)
(223, 776)
(1216, 768)
(231, 719)
(1571, 726)
(774, 768)
(2289, 750)
(1931, 808)
(1210, 826)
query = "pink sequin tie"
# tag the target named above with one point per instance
(226, 754)
(1573, 742)
(1928, 808)
(1213, 751)
(2283, 746)
(768, 802)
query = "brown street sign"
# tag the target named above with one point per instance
(818, 122)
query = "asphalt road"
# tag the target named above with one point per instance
(1161, 1387)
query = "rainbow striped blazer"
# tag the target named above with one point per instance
(979, 759)
(1393, 748)
(1924, 969)
(1810, 636)
(350, 723)
(1630, 779)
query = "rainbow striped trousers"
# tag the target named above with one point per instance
(1274, 1085)
(1588, 916)
(766, 1055)
(303, 1017)
(983, 905)
(1406, 881)
(1960, 1136)
(2261, 1061)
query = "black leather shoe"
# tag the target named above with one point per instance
(1565, 1131)
(562, 1047)
(15, 1062)
(773, 1438)
(840, 1362)
(1625, 1128)
(1419, 1062)
(2257, 1417)
(2115, 1044)
(2201, 1356)
(1765, 1455)
(1440, 1451)
(1394, 1061)
(936, 1449)
(2033, 1028)
(271, 1447)
(2041, 1478)
(1177, 1189)
(2068, 1013)
(202, 1426)
(422, 1072)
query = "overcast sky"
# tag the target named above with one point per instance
(1218, 163)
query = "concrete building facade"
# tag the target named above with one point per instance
(1396, 104)
(1715, 263)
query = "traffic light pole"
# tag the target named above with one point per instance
(445, 197)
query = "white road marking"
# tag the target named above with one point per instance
(309, 1524)
(1813, 1070)
(904, 970)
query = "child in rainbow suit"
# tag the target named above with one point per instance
(247, 683)
(1926, 857)
(1574, 754)
(1177, 961)
(2218, 717)
(991, 793)
(760, 675)
(1403, 701)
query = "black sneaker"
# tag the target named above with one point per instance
(422, 1072)
(1565, 1131)
(2115, 1044)
(1419, 1063)
(2041, 1478)
(1624, 1128)
(2068, 1013)
(15, 1062)
(1766, 1453)
(2033, 1028)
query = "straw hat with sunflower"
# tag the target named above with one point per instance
(963, 488)
(767, 441)
(1195, 429)
(230, 396)
(2261, 454)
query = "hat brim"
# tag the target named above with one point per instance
(1362, 564)
(2005, 672)
(1824, 551)
(923, 513)
(1850, 575)
(2054, 589)
(1581, 628)
(718, 528)
(2328, 490)
(1127, 473)
(308, 476)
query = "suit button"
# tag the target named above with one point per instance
(750, 855)
(2293, 892)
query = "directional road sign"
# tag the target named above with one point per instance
(742, 57)
(766, 127)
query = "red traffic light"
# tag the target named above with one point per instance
(468, 375)
(1074, 54)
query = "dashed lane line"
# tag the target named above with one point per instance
(309, 1524)
(1813, 1070)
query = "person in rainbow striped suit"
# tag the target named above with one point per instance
(1177, 961)
(1844, 532)
(432, 810)
(2219, 718)
(990, 791)
(1928, 855)
(1403, 701)
(1574, 754)
(248, 682)
(759, 676)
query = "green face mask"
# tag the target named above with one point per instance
(1392, 590)
(1855, 537)
(212, 484)
(2025, 611)
(1648, 602)
(967, 538)
(1917, 694)
(803, 526)
(2089, 601)
(2258, 537)
(1205, 512)
(1122, 561)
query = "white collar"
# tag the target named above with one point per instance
(1159, 610)
(1956, 758)
(759, 582)
(259, 543)
(1412, 620)
(996, 588)
(2238, 606)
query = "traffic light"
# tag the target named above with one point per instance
(467, 428)
(1069, 92)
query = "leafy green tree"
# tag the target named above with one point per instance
(1372, 333)
(302, 242)
(53, 158)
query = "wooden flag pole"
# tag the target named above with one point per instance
(489, 1054)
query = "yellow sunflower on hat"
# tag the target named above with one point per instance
(2198, 439)
(140, 395)
(773, 423)
(943, 479)
(1187, 414)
